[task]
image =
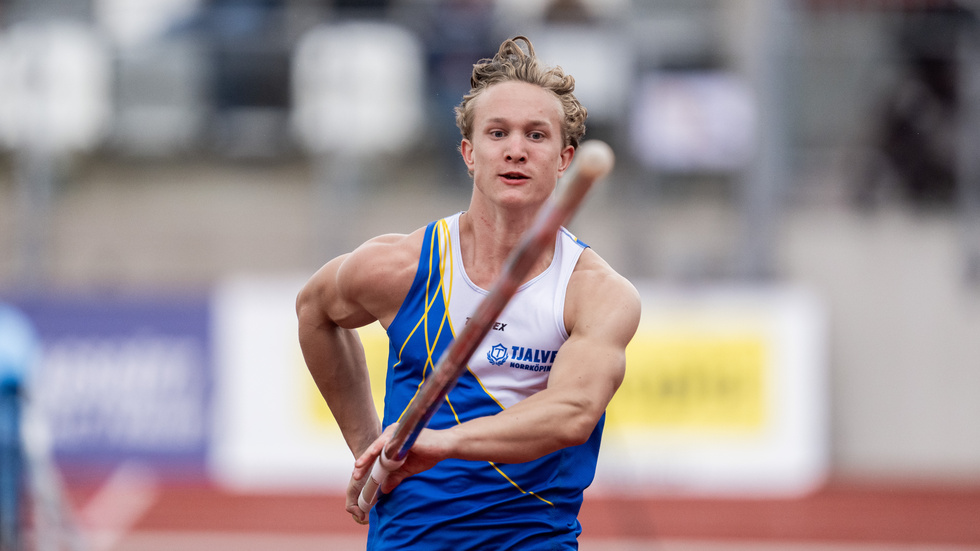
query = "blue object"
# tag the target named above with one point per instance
(18, 345)
(18, 351)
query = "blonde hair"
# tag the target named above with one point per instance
(512, 63)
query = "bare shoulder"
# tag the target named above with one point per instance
(368, 283)
(382, 260)
(600, 299)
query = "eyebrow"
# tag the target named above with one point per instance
(534, 123)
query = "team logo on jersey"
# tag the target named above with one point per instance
(497, 354)
(532, 359)
(521, 357)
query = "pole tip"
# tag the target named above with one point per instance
(595, 158)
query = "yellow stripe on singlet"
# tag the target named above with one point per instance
(445, 246)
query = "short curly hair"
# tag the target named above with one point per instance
(512, 63)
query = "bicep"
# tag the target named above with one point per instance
(593, 359)
(332, 295)
(324, 299)
(363, 286)
(589, 372)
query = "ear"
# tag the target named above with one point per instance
(565, 159)
(466, 150)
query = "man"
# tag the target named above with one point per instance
(506, 458)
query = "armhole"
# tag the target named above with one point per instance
(421, 270)
(571, 250)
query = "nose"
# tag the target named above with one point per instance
(515, 151)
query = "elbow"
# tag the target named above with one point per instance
(307, 307)
(578, 428)
(309, 314)
(303, 300)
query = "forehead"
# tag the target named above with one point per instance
(517, 102)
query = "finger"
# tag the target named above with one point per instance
(358, 515)
(353, 491)
(393, 480)
(361, 470)
(372, 452)
(356, 482)
(358, 520)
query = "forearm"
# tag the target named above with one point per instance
(335, 359)
(583, 380)
(541, 424)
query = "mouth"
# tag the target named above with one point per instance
(514, 177)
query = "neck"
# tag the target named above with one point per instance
(487, 238)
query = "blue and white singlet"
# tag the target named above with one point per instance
(482, 505)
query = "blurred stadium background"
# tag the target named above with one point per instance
(797, 196)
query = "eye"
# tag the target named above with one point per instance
(497, 133)
(536, 135)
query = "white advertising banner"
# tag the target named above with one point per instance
(724, 395)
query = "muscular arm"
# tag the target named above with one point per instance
(351, 291)
(601, 313)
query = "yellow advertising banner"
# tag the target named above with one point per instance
(691, 380)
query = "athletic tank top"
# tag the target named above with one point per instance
(482, 505)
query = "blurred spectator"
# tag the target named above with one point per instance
(917, 131)
(251, 74)
(18, 349)
(567, 11)
(366, 9)
(456, 34)
(246, 47)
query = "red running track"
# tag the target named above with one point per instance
(837, 513)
